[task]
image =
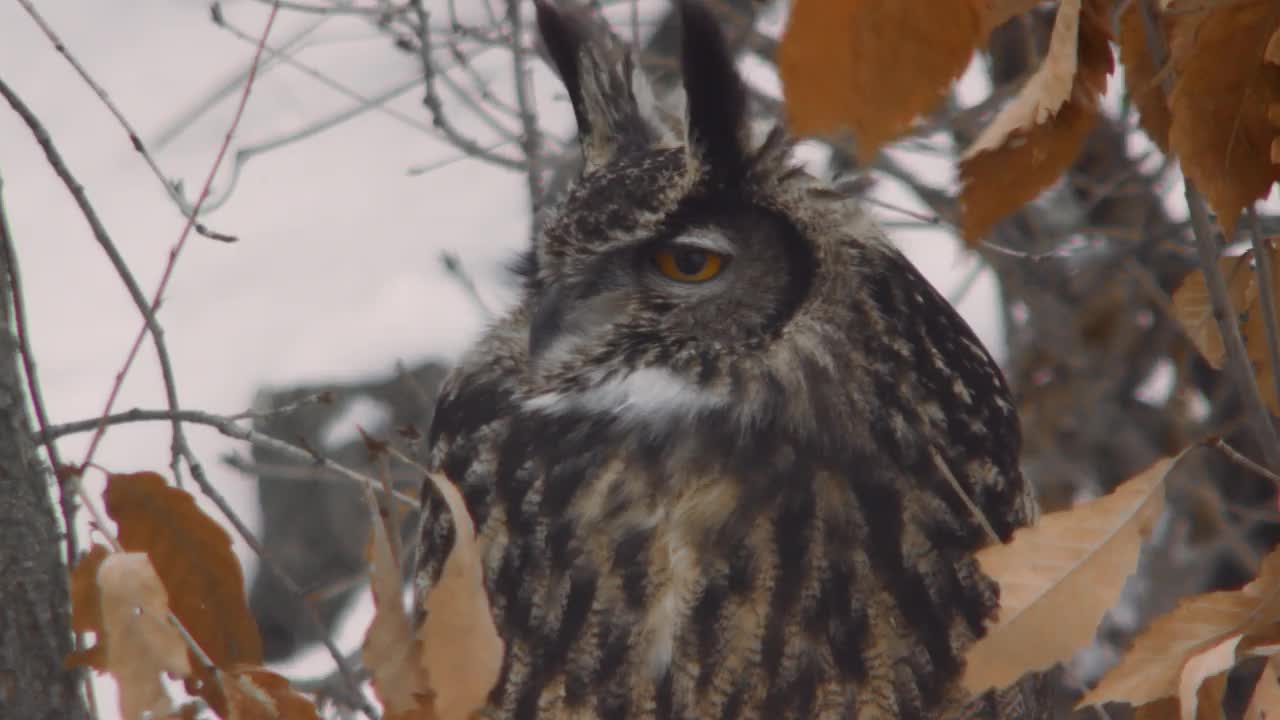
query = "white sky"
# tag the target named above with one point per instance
(336, 275)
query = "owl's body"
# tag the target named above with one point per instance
(749, 496)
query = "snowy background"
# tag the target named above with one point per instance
(336, 275)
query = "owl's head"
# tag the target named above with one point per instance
(688, 251)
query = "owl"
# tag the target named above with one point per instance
(730, 455)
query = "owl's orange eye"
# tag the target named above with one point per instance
(688, 264)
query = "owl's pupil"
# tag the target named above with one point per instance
(690, 262)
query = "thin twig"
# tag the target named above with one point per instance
(225, 425)
(436, 107)
(113, 255)
(247, 153)
(188, 211)
(426, 168)
(346, 91)
(1266, 291)
(1241, 459)
(150, 324)
(1238, 366)
(174, 128)
(531, 134)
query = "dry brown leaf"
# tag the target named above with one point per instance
(1222, 90)
(255, 693)
(872, 66)
(1265, 702)
(1151, 669)
(1047, 90)
(141, 644)
(86, 608)
(1210, 697)
(1206, 671)
(1159, 710)
(391, 651)
(192, 555)
(1058, 578)
(1141, 75)
(1035, 138)
(462, 650)
(1193, 308)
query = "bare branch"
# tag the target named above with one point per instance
(530, 135)
(436, 107)
(109, 247)
(187, 210)
(1238, 365)
(227, 426)
(1266, 290)
(283, 56)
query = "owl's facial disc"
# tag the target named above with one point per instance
(651, 279)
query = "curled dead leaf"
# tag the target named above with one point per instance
(141, 644)
(391, 651)
(1059, 577)
(1154, 667)
(462, 651)
(1205, 675)
(1036, 136)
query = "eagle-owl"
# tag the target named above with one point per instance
(730, 454)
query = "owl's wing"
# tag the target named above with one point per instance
(960, 398)
(471, 419)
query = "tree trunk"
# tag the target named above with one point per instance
(35, 632)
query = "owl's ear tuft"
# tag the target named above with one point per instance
(716, 98)
(600, 77)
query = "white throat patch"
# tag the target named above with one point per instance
(647, 395)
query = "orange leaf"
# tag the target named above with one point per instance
(1141, 74)
(872, 66)
(141, 644)
(192, 555)
(255, 693)
(1219, 102)
(86, 608)
(1037, 135)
